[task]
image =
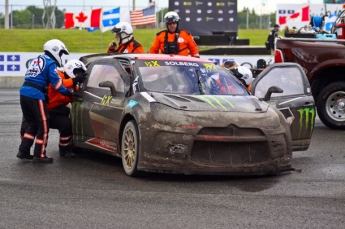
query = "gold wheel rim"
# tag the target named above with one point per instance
(129, 148)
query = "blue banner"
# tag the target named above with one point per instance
(13, 57)
(13, 68)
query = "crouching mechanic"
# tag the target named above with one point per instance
(74, 74)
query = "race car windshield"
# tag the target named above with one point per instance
(190, 78)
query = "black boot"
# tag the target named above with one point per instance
(66, 152)
(22, 155)
(43, 160)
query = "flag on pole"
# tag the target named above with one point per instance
(301, 15)
(111, 17)
(84, 19)
(143, 17)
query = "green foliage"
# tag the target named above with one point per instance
(30, 39)
(254, 20)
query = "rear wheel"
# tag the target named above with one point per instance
(130, 148)
(331, 105)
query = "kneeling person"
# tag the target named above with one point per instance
(74, 74)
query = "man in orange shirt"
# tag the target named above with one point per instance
(127, 43)
(173, 40)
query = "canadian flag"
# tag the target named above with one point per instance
(301, 15)
(84, 19)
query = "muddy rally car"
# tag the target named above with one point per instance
(175, 114)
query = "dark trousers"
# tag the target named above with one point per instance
(36, 125)
(62, 122)
(58, 119)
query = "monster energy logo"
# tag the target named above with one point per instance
(305, 117)
(77, 110)
(217, 100)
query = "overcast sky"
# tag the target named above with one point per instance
(76, 4)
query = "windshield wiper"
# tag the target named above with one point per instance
(200, 85)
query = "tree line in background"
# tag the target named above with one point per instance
(31, 18)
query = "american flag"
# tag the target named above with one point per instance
(144, 16)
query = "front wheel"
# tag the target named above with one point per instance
(130, 148)
(331, 106)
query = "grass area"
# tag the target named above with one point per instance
(81, 41)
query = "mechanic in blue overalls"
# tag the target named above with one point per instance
(41, 72)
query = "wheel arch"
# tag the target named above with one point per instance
(325, 76)
(125, 120)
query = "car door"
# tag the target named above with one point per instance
(100, 108)
(295, 102)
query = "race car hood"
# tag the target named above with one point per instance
(227, 103)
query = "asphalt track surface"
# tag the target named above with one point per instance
(92, 191)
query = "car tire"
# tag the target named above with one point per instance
(331, 106)
(130, 148)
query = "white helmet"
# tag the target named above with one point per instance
(230, 64)
(124, 30)
(56, 48)
(171, 17)
(72, 67)
(243, 73)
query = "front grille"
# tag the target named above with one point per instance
(230, 153)
(231, 130)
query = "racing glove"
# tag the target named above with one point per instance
(80, 78)
(71, 94)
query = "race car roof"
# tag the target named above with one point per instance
(143, 56)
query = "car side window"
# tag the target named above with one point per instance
(101, 73)
(289, 79)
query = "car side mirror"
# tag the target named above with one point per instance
(110, 85)
(273, 89)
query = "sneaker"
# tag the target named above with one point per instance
(66, 152)
(22, 155)
(43, 160)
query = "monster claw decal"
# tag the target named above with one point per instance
(304, 115)
(217, 101)
(208, 101)
(204, 97)
(227, 101)
(77, 108)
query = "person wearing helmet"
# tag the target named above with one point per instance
(244, 75)
(41, 72)
(72, 77)
(174, 40)
(229, 64)
(124, 36)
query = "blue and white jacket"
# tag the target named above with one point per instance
(42, 71)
